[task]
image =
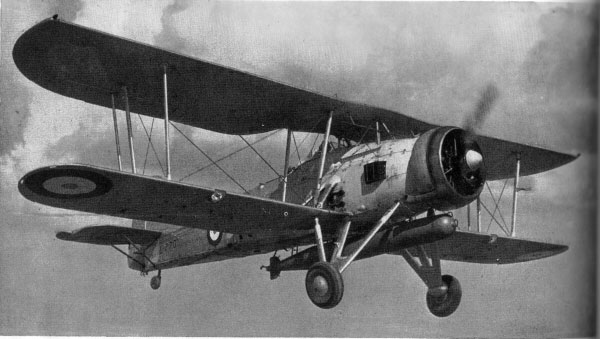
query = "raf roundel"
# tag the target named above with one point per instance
(68, 184)
(214, 237)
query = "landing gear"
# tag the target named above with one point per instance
(445, 304)
(155, 281)
(324, 285)
(444, 292)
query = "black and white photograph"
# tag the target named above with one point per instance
(186, 168)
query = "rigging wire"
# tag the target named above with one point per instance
(497, 203)
(496, 220)
(310, 132)
(228, 156)
(314, 143)
(367, 129)
(297, 150)
(209, 158)
(148, 147)
(290, 188)
(260, 156)
(152, 145)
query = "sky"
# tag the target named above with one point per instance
(427, 60)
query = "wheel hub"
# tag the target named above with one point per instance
(324, 285)
(320, 286)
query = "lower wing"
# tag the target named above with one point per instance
(120, 194)
(484, 248)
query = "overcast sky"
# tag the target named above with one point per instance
(427, 60)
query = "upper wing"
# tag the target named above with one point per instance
(89, 65)
(126, 195)
(500, 158)
(110, 235)
(492, 249)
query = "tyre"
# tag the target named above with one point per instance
(155, 282)
(446, 304)
(324, 285)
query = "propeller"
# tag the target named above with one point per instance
(462, 159)
(474, 121)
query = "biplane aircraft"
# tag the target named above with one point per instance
(381, 182)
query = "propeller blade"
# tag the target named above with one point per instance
(475, 120)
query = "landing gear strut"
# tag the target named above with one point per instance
(155, 281)
(444, 292)
(324, 283)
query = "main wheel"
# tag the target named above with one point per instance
(446, 304)
(324, 285)
(155, 282)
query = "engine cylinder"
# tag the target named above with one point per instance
(446, 169)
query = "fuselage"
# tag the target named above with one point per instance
(356, 185)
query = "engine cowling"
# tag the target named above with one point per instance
(446, 169)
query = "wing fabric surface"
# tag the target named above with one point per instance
(500, 158)
(492, 249)
(110, 235)
(109, 192)
(89, 65)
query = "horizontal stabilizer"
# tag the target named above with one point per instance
(110, 235)
(133, 196)
(484, 248)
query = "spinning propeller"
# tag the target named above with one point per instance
(462, 158)
(475, 120)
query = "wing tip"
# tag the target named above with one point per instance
(62, 235)
(63, 182)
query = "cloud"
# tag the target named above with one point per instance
(168, 37)
(67, 10)
(560, 76)
(15, 89)
(14, 112)
(565, 60)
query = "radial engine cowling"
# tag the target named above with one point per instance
(446, 169)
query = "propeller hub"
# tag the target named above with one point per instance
(473, 159)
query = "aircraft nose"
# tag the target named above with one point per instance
(473, 159)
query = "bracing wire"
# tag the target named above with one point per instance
(497, 204)
(312, 148)
(310, 132)
(297, 150)
(152, 145)
(496, 220)
(209, 158)
(260, 156)
(227, 156)
(148, 147)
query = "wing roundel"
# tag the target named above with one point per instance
(109, 192)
